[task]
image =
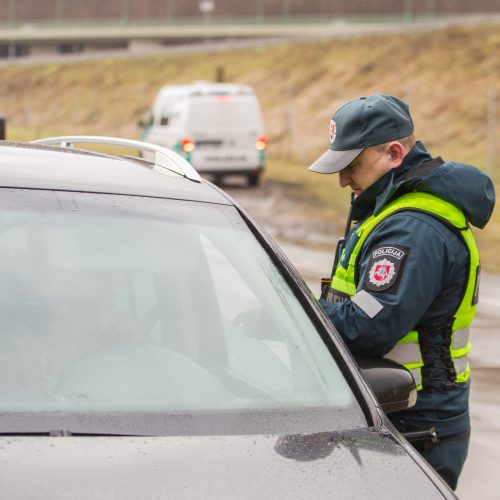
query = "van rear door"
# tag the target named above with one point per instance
(225, 128)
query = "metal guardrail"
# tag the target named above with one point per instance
(163, 157)
(37, 40)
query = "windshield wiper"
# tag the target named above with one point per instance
(58, 432)
(67, 433)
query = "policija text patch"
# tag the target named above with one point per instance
(384, 267)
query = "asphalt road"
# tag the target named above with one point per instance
(283, 217)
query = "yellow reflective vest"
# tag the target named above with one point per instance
(408, 349)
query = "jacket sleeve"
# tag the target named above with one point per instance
(435, 265)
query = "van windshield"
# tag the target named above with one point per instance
(225, 113)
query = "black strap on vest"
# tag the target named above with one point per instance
(438, 371)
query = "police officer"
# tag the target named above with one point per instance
(405, 282)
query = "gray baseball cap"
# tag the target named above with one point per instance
(363, 122)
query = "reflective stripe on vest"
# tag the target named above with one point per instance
(407, 350)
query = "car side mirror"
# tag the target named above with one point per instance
(391, 382)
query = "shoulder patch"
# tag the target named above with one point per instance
(385, 267)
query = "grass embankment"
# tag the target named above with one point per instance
(447, 75)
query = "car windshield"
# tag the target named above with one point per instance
(118, 307)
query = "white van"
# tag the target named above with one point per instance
(218, 127)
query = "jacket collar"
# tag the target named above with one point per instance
(373, 199)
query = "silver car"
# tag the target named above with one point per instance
(155, 343)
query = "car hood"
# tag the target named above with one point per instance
(362, 464)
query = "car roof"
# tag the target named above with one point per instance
(33, 166)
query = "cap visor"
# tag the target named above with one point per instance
(334, 161)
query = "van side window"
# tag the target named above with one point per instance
(164, 120)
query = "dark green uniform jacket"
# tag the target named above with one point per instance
(426, 287)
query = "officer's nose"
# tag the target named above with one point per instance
(344, 179)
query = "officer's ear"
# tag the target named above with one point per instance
(396, 152)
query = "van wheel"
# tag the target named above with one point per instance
(253, 180)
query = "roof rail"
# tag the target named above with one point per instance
(164, 157)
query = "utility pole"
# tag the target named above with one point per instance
(206, 8)
(286, 11)
(59, 11)
(2, 128)
(125, 12)
(170, 9)
(431, 8)
(261, 11)
(11, 14)
(408, 11)
(220, 76)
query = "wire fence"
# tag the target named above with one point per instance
(60, 12)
